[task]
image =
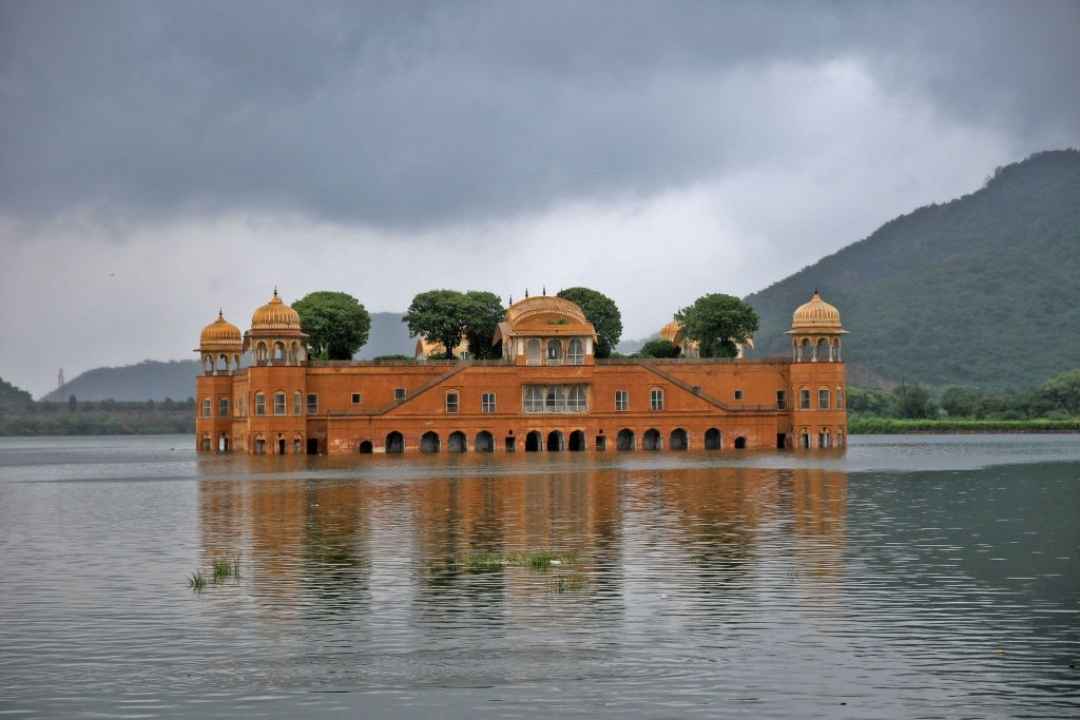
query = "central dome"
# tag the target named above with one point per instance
(275, 315)
(816, 315)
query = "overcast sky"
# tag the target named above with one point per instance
(159, 160)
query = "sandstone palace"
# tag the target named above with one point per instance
(261, 394)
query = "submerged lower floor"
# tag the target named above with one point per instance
(339, 436)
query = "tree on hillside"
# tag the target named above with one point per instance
(961, 402)
(660, 349)
(336, 323)
(602, 312)
(13, 398)
(718, 322)
(484, 311)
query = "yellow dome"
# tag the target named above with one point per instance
(220, 332)
(672, 332)
(275, 315)
(816, 315)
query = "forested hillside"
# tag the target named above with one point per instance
(982, 291)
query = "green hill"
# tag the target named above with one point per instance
(13, 398)
(983, 290)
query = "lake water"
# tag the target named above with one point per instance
(902, 577)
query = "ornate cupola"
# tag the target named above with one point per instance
(220, 345)
(816, 332)
(275, 336)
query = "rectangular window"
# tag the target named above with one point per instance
(356, 398)
(487, 403)
(555, 398)
(738, 394)
(656, 399)
(279, 403)
(260, 404)
(622, 400)
(297, 403)
(223, 407)
(804, 399)
(206, 407)
(312, 404)
(399, 394)
(451, 403)
(781, 402)
(823, 399)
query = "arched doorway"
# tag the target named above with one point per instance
(577, 441)
(484, 442)
(365, 447)
(651, 440)
(601, 443)
(532, 352)
(297, 444)
(223, 443)
(532, 441)
(313, 446)
(260, 445)
(511, 443)
(678, 440)
(824, 439)
(713, 439)
(624, 441)
(740, 443)
(804, 440)
(555, 441)
(429, 443)
(281, 445)
(456, 443)
(395, 443)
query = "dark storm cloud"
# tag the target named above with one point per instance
(410, 115)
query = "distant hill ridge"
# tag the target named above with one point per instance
(983, 290)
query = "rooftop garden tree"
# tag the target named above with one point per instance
(719, 323)
(602, 312)
(336, 323)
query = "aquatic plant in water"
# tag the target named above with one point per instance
(197, 582)
(224, 568)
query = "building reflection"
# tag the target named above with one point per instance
(334, 537)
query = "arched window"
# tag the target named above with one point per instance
(577, 441)
(279, 352)
(456, 443)
(532, 441)
(395, 443)
(740, 443)
(576, 400)
(279, 403)
(822, 354)
(223, 362)
(554, 352)
(555, 441)
(836, 349)
(576, 353)
(260, 404)
(625, 440)
(806, 350)
(533, 352)
(484, 442)
(365, 447)
(823, 399)
(260, 352)
(429, 443)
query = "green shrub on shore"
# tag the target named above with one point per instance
(871, 425)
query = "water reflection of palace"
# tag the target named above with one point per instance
(700, 527)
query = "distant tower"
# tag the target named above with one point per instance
(60, 379)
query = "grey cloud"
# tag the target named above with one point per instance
(401, 115)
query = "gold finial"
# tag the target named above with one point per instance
(275, 291)
(220, 314)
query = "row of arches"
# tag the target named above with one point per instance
(222, 363)
(555, 441)
(278, 351)
(816, 350)
(555, 351)
(822, 438)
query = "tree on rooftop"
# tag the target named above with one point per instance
(484, 311)
(660, 349)
(719, 323)
(602, 312)
(336, 323)
(439, 316)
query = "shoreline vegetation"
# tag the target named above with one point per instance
(1053, 407)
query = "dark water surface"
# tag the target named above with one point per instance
(903, 577)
